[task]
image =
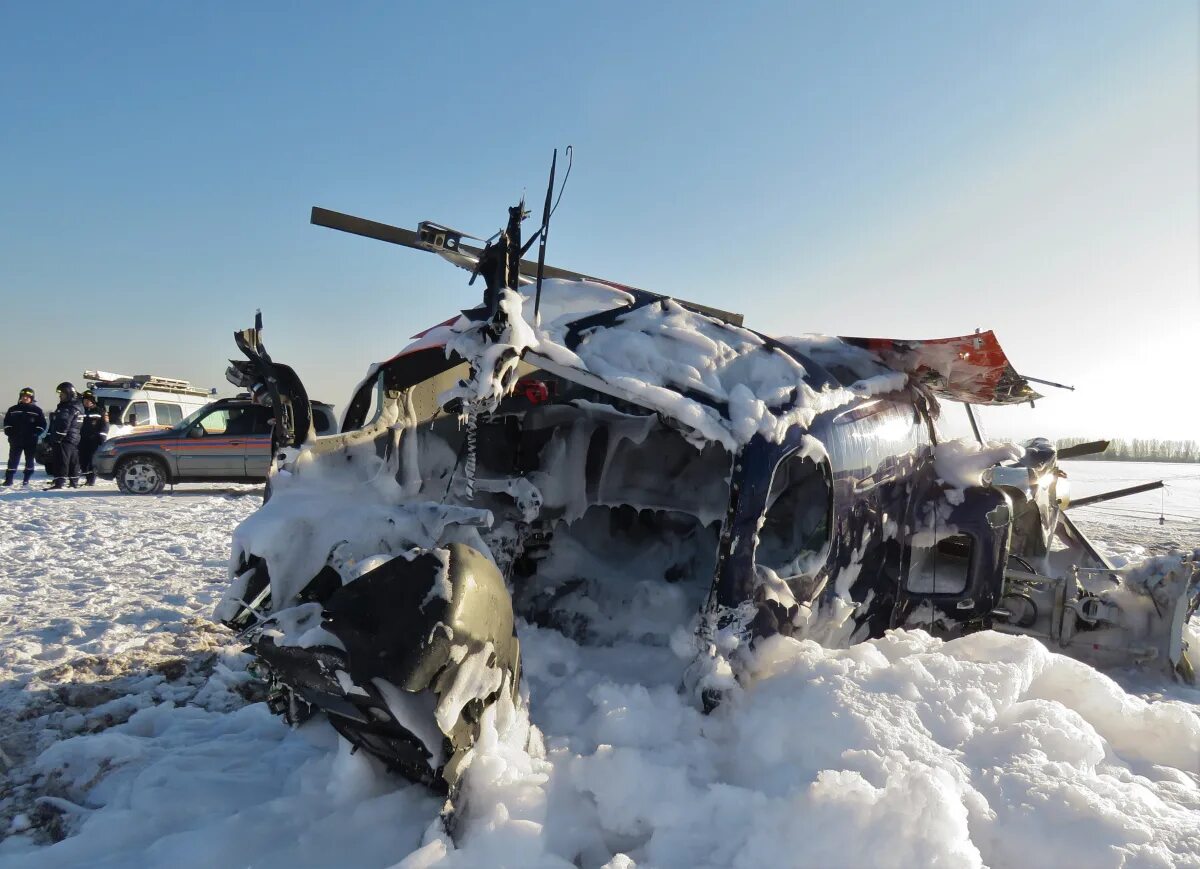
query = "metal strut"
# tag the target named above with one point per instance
(472, 418)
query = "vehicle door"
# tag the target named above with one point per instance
(209, 449)
(258, 442)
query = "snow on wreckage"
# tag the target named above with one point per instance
(555, 452)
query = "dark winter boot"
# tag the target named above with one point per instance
(57, 484)
(91, 480)
(74, 482)
(8, 478)
(28, 477)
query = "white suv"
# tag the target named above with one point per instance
(145, 401)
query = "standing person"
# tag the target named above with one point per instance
(65, 426)
(24, 424)
(92, 433)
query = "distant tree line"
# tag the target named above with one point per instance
(1140, 450)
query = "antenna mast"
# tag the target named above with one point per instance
(545, 232)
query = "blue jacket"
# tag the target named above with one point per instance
(24, 424)
(66, 423)
(95, 427)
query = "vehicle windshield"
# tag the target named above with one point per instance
(192, 417)
(114, 407)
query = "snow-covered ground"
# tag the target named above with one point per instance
(132, 734)
(1130, 525)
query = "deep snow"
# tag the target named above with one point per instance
(128, 724)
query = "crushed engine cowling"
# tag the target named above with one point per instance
(408, 656)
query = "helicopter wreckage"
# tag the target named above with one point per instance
(560, 451)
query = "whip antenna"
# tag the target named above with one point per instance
(545, 231)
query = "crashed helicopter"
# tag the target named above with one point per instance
(547, 454)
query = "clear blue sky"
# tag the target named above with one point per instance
(892, 169)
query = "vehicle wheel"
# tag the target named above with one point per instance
(141, 475)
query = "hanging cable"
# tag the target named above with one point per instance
(549, 212)
(570, 152)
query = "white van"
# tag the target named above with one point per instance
(145, 401)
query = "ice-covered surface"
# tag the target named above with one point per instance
(128, 724)
(724, 382)
(1130, 527)
(493, 357)
(961, 463)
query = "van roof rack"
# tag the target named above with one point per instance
(154, 382)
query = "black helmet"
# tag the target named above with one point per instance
(28, 390)
(66, 386)
(88, 395)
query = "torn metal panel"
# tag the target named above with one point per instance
(970, 368)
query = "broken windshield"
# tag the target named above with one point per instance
(795, 527)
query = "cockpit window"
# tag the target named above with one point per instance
(796, 525)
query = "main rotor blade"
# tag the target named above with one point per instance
(466, 256)
(362, 226)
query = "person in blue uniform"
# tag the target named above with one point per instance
(92, 433)
(65, 427)
(23, 424)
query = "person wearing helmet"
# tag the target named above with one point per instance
(92, 433)
(65, 427)
(24, 424)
